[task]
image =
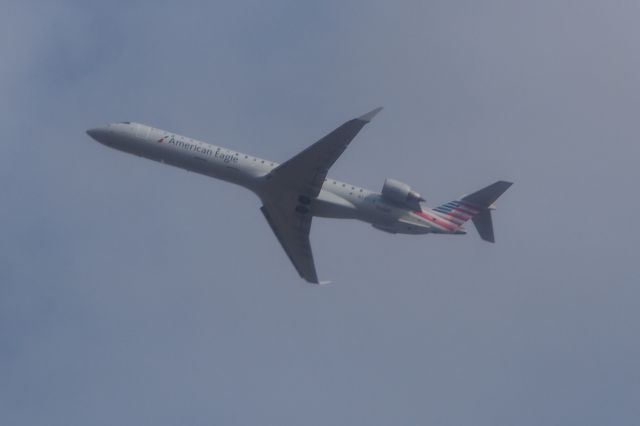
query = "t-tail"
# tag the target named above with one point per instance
(477, 207)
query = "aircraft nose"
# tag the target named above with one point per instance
(100, 133)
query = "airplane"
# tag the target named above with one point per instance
(295, 191)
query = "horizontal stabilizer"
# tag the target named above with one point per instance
(484, 225)
(488, 195)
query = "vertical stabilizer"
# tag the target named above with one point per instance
(484, 200)
(477, 207)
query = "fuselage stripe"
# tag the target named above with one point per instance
(441, 223)
(467, 210)
(460, 215)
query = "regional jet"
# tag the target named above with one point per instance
(294, 192)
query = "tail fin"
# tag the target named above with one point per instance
(477, 207)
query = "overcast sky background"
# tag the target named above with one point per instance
(134, 293)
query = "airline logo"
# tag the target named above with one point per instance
(457, 212)
(219, 154)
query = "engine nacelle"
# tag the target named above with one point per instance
(401, 193)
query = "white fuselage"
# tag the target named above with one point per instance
(335, 200)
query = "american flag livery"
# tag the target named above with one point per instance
(457, 212)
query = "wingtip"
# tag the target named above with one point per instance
(369, 116)
(320, 282)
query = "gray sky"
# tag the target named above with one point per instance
(132, 293)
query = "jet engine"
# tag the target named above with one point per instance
(400, 193)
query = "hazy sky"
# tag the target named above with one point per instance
(133, 293)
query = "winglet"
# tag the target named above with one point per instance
(369, 116)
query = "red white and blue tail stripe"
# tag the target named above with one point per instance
(477, 207)
(457, 212)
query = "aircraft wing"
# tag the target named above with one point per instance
(299, 178)
(305, 173)
(292, 230)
